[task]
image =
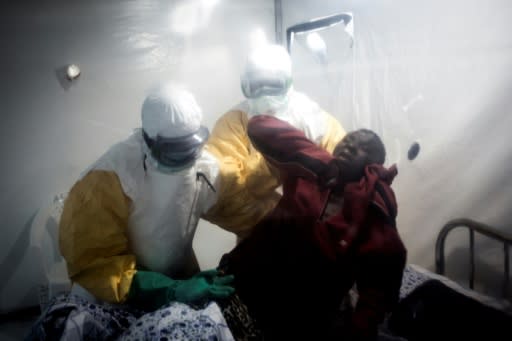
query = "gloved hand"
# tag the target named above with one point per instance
(204, 285)
(150, 290)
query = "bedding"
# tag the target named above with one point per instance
(431, 307)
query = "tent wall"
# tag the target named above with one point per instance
(434, 72)
(51, 129)
(437, 73)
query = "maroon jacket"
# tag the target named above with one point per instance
(295, 268)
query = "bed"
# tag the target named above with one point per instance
(434, 307)
(431, 307)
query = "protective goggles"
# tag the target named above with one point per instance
(254, 86)
(175, 152)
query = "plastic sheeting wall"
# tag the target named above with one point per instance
(51, 130)
(436, 72)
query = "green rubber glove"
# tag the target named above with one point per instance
(204, 285)
(150, 290)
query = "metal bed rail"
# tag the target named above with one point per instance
(473, 226)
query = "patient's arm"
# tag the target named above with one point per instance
(288, 148)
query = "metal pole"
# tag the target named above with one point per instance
(278, 14)
(507, 269)
(471, 258)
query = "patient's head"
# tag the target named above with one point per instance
(356, 150)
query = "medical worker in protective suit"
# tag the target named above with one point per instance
(267, 85)
(128, 224)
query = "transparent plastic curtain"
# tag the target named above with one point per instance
(338, 72)
(323, 68)
(436, 73)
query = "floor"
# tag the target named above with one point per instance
(15, 326)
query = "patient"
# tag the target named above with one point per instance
(334, 227)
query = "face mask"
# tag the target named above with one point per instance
(170, 155)
(257, 86)
(269, 105)
(154, 165)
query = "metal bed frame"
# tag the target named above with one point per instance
(474, 226)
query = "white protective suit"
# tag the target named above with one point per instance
(129, 211)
